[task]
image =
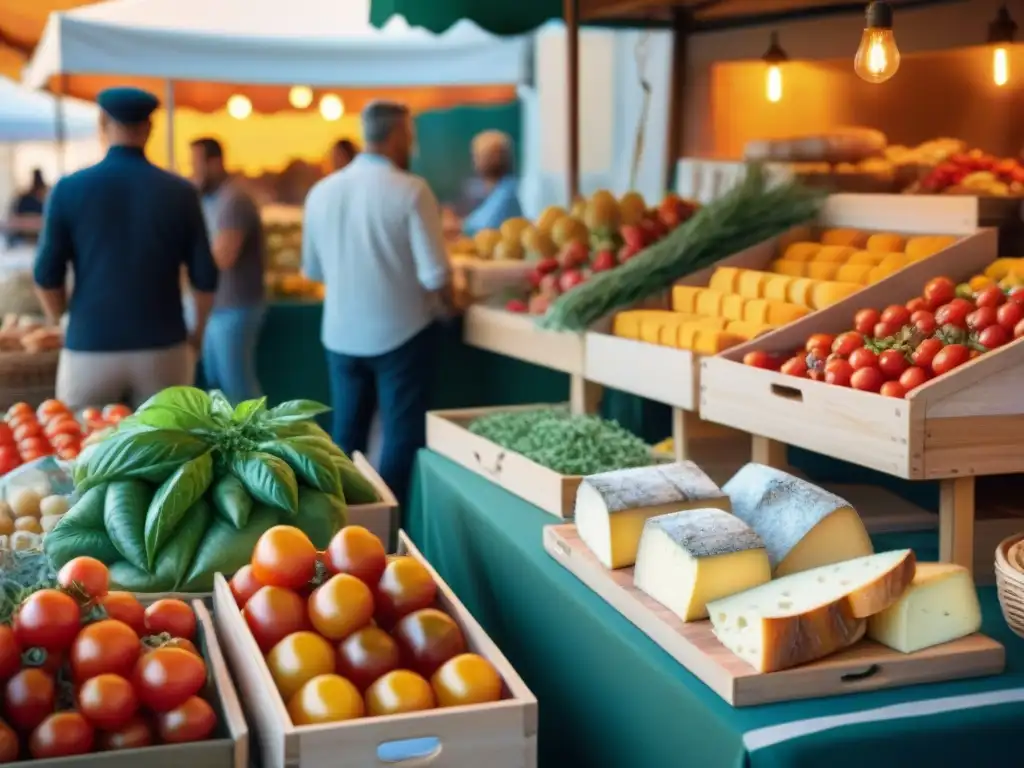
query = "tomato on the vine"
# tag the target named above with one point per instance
(105, 647)
(892, 363)
(124, 607)
(845, 343)
(136, 733)
(62, 734)
(193, 720)
(994, 336)
(924, 322)
(175, 617)
(913, 377)
(284, 557)
(167, 677)
(175, 642)
(867, 379)
(47, 619)
(863, 358)
(10, 653)
(107, 701)
(88, 574)
(274, 613)
(244, 585)
(884, 330)
(893, 389)
(950, 357)
(981, 318)
(29, 697)
(864, 321)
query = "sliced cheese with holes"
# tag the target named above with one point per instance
(940, 605)
(802, 525)
(806, 616)
(688, 559)
(612, 507)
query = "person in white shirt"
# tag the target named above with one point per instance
(372, 234)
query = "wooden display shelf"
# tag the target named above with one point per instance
(866, 666)
(502, 734)
(379, 517)
(480, 279)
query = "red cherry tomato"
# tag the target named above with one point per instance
(10, 653)
(1009, 315)
(136, 733)
(107, 701)
(845, 343)
(9, 747)
(952, 314)
(175, 617)
(939, 291)
(893, 389)
(913, 377)
(926, 351)
(867, 380)
(795, 366)
(994, 336)
(819, 340)
(124, 607)
(864, 321)
(981, 318)
(950, 357)
(88, 574)
(62, 734)
(992, 296)
(760, 359)
(244, 585)
(924, 322)
(884, 330)
(863, 358)
(194, 720)
(839, 374)
(1017, 295)
(47, 619)
(897, 314)
(915, 305)
(167, 677)
(105, 647)
(29, 697)
(1018, 330)
(892, 364)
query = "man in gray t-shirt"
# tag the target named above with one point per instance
(236, 238)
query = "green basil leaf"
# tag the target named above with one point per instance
(357, 489)
(171, 503)
(125, 576)
(311, 465)
(295, 410)
(325, 444)
(81, 532)
(267, 479)
(154, 455)
(170, 417)
(248, 410)
(124, 517)
(188, 399)
(232, 501)
(225, 549)
(321, 515)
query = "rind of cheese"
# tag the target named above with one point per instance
(854, 273)
(825, 294)
(884, 242)
(611, 507)
(781, 312)
(711, 342)
(802, 525)
(809, 615)
(748, 330)
(687, 559)
(939, 606)
(801, 251)
(627, 324)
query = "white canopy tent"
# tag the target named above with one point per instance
(27, 115)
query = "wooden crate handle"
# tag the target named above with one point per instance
(787, 392)
(857, 677)
(495, 470)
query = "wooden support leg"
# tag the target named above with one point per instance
(584, 396)
(956, 521)
(768, 452)
(681, 421)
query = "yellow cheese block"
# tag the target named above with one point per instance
(780, 313)
(885, 242)
(668, 335)
(836, 254)
(922, 247)
(684, 298)
(711, 342)
(894, 261)
(725, 279)
(776, 287)
(853, 238)
(612, 507)
(854, 273)
(822, 270)
(627, 324)
(687, 559)
(1000, 268)
(688, 335)
(650, 330)
(826, 294)
(802, 525)
(801, 251)
(732, 306)
(799, 291)
(748, 330)
(751, 284)
(791, 268)
(879, 273)
(939, 606)
(709, 303)
(756, 311)
(864, 257)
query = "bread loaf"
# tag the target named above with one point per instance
(842, 145)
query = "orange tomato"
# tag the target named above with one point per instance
(340, 606)
(405, 586)
(284, 557)
(356, 551)
(107, 701)
(192, 721)
(136, 733)
(50, 409)
(69, 453)
(116, 412)
(326, 699)
(105, 647)
(175, 617)
(62, 440)
(397, 692)
(124, 607)
(62, 734)
(62, 425)
(85, 573)
(8, 744)
(20, 409)
(297, 659)
(466, 679)
(819, 340)
(92, 414)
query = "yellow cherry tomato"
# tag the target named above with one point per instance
(298, 658)
(466, 679)
(399, 691)
(326, 699)
(340, 606)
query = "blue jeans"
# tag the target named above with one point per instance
(398, 383)
(229, 352)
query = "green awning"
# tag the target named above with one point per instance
(499, 18)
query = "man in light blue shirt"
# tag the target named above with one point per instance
(492, 158)
(372, 235)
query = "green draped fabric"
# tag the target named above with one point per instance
(500, 18)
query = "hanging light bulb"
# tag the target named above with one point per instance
(877, 58)
(300, 96)
(1001, 34)
(774, 58)
(331, 107)
(239, 107)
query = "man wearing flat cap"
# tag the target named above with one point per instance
(125, 228)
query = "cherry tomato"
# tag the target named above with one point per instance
(68, 454)
(167, 677)
(795, 366)
(884, 330)
(284, 557)
(274, 613)
(29, 697)
(1016, 295)
(10, 653)
(760, 359)
(340, 606)
(20, 409)
(863, 358)
(6, 434)
(913, 377)
(993, 336)
(326, 699)
(893, 389)
(105, 647)
(244, 585)
(397, 692)
(298, 659)
(51, 408)
(125, 608)
(939, 291)
(839, 374)
(356, 551)
(864, 321)
(88, 573)
(194, 720)
(63, 440)
(924, 322)
(867, 380)
(107, 701)
(47, 619)
(992, 296)
(926, 351)
(915, 305)
(91, 414)
(9, 459)
(367, 654)
(950, 357)
(428, 638)
(952, 314)
(65, 425)
(981, 318)
(892, 363)
(115, 413)
(136, 733)
(406, 586)
(27, 430)
(9, 747)
(60, 735)
(1009, 315)
(819, 340)
(845, 343)
(897, 314)
(176, 642)
(466, 679)
(175, 617)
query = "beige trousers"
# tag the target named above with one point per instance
(99, 378)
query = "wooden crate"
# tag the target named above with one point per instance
(517, 335)
(498, 735)
(380, 517)
(479, 279)
(448, 434)
(866, 666)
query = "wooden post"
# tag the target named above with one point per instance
(570, 10)
(956, 521)
(771, 453)
(169, 116)
(677, 94)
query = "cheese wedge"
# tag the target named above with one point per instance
(612, 507)
(802, 525)
(940, 605)
(806, 616)
(687, 559)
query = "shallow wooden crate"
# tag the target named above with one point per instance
(448, 434)
(380, 517)
(516, 335)
(502, 734)
(481, 279)
(866, 666)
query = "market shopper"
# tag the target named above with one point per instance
(125, 228)
(498, 188)
(343, 152)
(238, 245)
(27, 212)
(372, 234)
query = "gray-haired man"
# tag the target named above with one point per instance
(372, 235)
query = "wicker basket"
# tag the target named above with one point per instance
(1010, 586)
(28, 377)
